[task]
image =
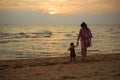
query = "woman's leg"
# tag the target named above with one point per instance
(71, 58)
(74, 59)
(84, 52)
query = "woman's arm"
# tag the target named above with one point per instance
(90, 36)
(79, 36)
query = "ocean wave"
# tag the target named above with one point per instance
(25, 35)
(37, 41)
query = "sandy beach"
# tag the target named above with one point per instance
(95, 67)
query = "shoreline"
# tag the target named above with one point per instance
(97, 67)
(21, 57)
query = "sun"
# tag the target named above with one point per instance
(52, 10)
(52, 13)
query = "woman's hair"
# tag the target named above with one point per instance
(84, 25)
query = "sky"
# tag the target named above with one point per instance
(59, 11)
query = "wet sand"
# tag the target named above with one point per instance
(95, 67)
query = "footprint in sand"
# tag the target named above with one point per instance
(2, 67)
(117, 75)
(18, 66)
(2, 77)
(36, 74)
(59, 68)
(68, 77)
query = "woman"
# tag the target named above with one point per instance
(85, 36)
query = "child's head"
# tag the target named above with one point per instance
(71, 44)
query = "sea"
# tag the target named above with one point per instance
(41, 41)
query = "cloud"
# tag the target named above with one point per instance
(62, 6)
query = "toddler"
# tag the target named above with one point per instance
(72, 51)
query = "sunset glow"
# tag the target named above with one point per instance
(52, 10)
(61, 6)
(59, 11)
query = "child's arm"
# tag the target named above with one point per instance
(69, 49)
(79, 35)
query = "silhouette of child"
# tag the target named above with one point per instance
(72, 51)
